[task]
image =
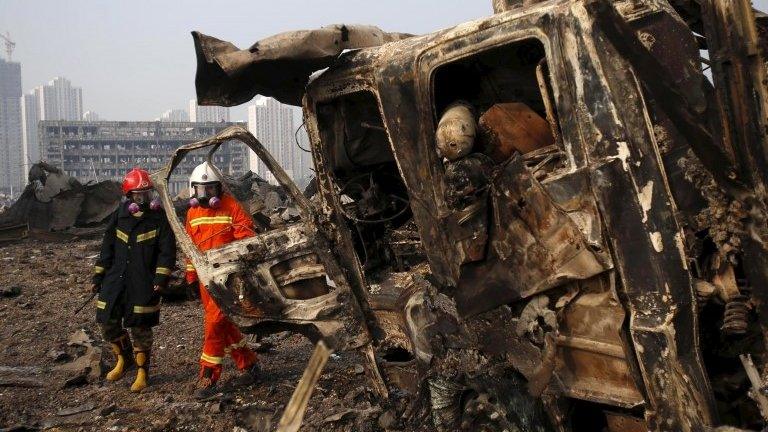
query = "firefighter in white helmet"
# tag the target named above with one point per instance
(214, 219)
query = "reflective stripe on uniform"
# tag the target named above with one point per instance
(163, 271)
(211, 359)
(211, 220)
(98, 269)
(146, 309)
(100, 304)
(146, 236)
(122, 236)
(190, 267)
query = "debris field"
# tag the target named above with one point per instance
(48, 379)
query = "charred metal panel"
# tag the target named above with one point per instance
(534, 246)
(638, 211)
(424, 175)
(739, 75)
(655, 77)
(278, 66)
(739, 71)
(572, 192)
(662, 311)
(591, 354)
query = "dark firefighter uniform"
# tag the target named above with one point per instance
(137, 254)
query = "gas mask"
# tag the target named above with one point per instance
(142, 200)
(206, 195)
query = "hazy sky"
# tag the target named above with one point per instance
(135, 59)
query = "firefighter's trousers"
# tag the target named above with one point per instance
(142, 336)
(220, 337)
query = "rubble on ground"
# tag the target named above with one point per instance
(48, 375)
(536, 221)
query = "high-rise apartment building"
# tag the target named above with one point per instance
(108, 149)
(198, 113)
(57, 100)
(272, 123)
(30, 114)
(11, 150)
(302, 165)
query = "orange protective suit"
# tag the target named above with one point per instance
(211, 228)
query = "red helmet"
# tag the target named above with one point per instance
(136, 179)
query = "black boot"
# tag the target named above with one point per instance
(207, 387)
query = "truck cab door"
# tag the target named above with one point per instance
(285, 278)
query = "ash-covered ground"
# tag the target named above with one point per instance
(50, 377)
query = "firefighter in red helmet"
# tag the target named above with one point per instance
(137, 256)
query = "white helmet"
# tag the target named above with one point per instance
(204, 173)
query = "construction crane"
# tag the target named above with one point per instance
(9, 44)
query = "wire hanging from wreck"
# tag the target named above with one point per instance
(296, 136)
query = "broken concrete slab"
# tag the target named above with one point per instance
(87, 366)
(6, 381)
(21, 376)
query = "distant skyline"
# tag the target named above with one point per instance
(136, 59)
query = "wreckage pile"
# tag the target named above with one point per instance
(585, 248)
(556, 262)
(56, 206)
(54, 202)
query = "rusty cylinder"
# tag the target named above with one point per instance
(455, 135)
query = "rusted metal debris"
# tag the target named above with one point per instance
(278, 66)
(580, 247)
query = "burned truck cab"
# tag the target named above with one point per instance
(567, 263)
(533, 221)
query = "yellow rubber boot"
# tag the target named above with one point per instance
(121, 363)
(142, 365)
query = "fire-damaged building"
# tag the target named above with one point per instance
(549, 219)
(101, 150)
